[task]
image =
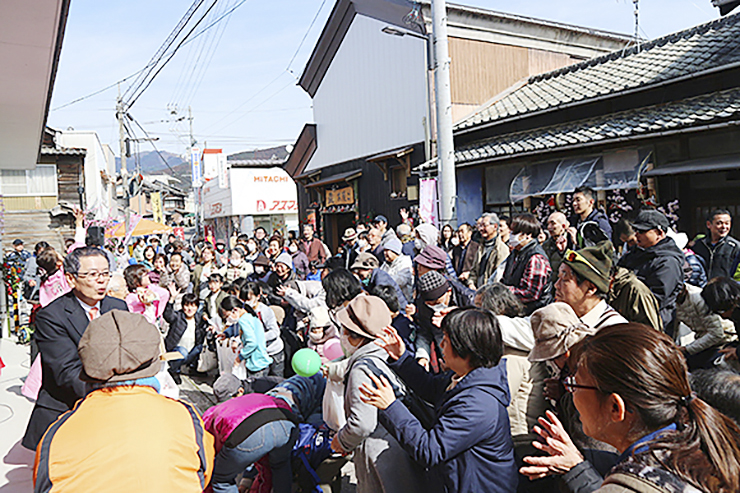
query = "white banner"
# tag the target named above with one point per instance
(251, 191)
(223, 171)
(195, 169)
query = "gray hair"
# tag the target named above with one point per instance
(403, 229)
(499, 299)
(491, 216)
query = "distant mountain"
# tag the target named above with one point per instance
(279, 153)
(151, 162)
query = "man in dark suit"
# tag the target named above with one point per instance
(59, 327)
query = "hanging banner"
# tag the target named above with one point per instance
(342, 196)
(223, 171)
(195, 169)
(428, 200)
(157, 212)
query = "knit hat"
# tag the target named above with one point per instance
(432, 257)
(349, 234)
(365, 315)
(432, 285)
(226, 386)
(594, 263)
(119, 346)
(365, 260)
(285, 258)
(394, 245)
(556, 329)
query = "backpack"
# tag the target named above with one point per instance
(421, 409)
(312, 447)
(590, 234)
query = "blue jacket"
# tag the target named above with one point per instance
(469, 450)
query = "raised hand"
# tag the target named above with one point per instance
(563, 454)
(391, 342)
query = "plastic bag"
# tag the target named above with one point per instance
(240, 371)
(208, 360)
(226, 355)
(333, 405)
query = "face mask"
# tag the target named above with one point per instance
(419, 244)
(292, 248)
(347, 348)
(231, 320)
(235, 263)
(438, 307)
(361, 243)
(455, 241)
(259, 270)
(315, 338)
(220, 248)
(251, 247)
(515, 240)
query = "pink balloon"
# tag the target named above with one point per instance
(333, 349)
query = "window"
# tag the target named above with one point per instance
(40, 181)
(398, 181)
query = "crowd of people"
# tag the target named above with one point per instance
(502, 356)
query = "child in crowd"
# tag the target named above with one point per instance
(320, 330)
(213, 299)
(180, 276)
(186, 333)
(144, 297)
(252, 360)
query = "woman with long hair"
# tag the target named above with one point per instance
(447, 238)
(632, 391)
(149, 254)
(243, 321)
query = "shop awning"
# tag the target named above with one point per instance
(350, 175)
(696, 166)
(143, 228)
(616, 170)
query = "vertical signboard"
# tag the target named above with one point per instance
(223, 171)
(195, 169)
(428, 200)
(157, 213)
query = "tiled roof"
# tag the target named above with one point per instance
(697, 111)
(711, 45)
(66, 151)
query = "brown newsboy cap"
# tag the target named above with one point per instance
(365, 260)
(365, 315)
(119, 346)
(556, 329)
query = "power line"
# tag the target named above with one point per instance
(292, 59)
(149, 139)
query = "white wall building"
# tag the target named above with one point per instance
(99, 170)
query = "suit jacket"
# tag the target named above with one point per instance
(59, 327)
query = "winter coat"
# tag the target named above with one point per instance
(720, 259)
(633, 300)
(495, 252)
(228, 422)
(272, 329)
(178, 323)
(380, 462)
(254, 347)
(402, 271)
(309, 294)
(599, 218)
(463, 257)
(313, 249)
(233, 272)
(152, 311)
(660, 267)
(469, 449)
(126, 438)
(710, 330)
(554, 255)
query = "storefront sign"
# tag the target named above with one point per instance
(341, 196)
(157, 215)
(195, 169)
(251, 191)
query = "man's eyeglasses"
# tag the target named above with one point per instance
(93, 275)
(570, 384)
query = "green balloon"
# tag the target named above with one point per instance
(306, 362)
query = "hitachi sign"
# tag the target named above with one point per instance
(270, 179)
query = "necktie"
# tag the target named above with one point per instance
(93, 313)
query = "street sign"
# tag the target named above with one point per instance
(195, 167)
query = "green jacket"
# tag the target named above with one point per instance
(633, 300)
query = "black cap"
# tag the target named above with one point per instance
(649, 219)
(17, 242)
(380, 219)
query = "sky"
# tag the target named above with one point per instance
(240, 77)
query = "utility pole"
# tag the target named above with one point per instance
(120, 115)
(445, 144)
(196, 186)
